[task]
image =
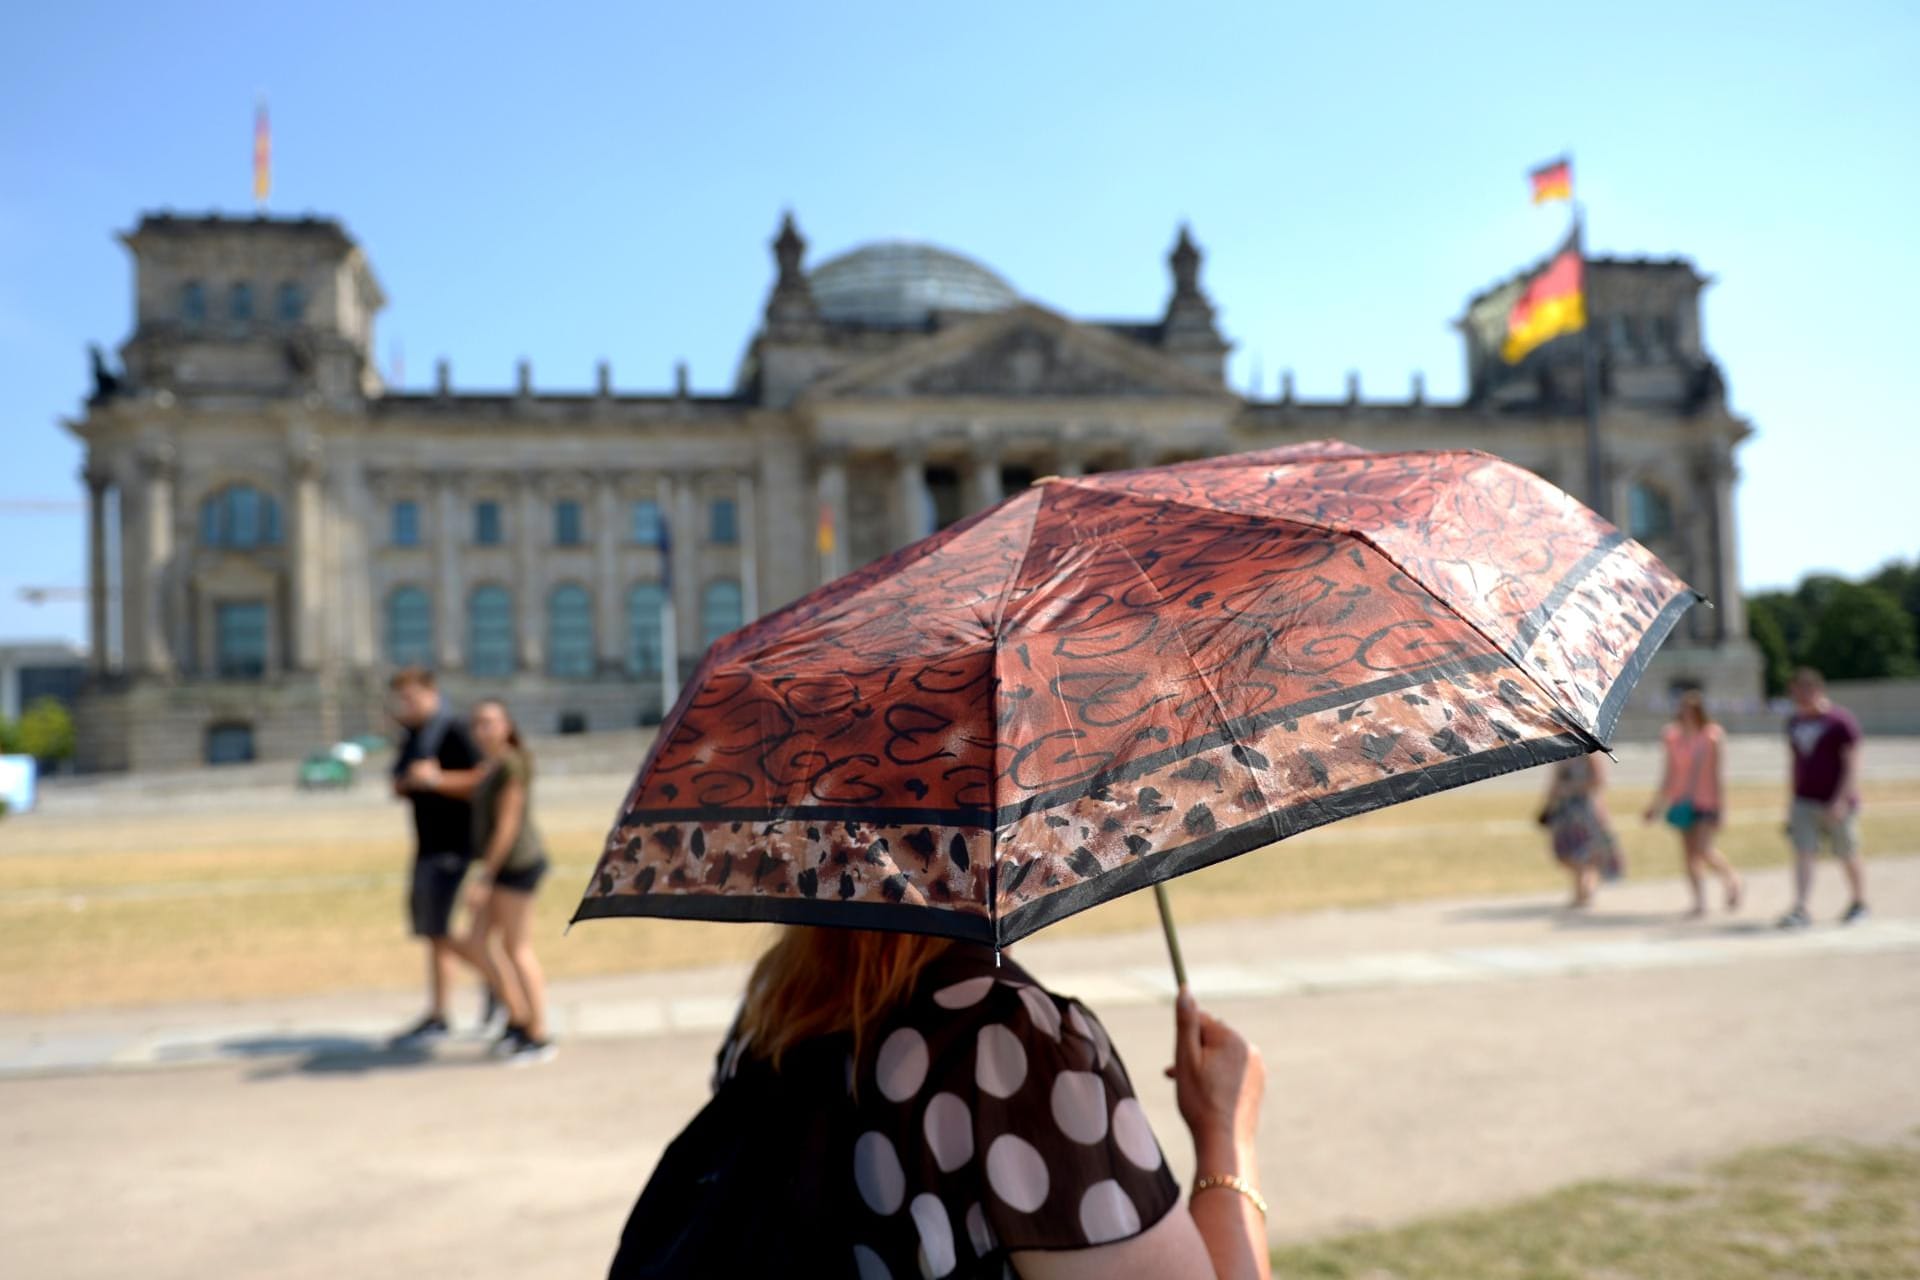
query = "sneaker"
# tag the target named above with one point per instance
(1858, 911)
(508, 1043)
(1794, 919)
(428, 1029)
(530, 1051)
(491, 1012)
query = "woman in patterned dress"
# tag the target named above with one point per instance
(988, 1127)
(1579, 827)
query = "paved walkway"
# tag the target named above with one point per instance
(1422, 1058)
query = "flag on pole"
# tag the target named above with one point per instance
(824, 540)
(1552, 302)
(262, 154)
(1553, 181)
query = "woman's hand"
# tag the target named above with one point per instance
(479, 892)
(1219, 1080)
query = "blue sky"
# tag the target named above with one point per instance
(567, 184)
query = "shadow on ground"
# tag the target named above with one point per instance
(324, 1053)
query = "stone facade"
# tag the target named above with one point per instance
(271, 529)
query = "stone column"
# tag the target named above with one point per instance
(687, 583)
(1070, 461)
(830, 489)
(609, 603)
(448, 586)
(913, 504)
(303, 644)
(987, 489)
(1730, 608)
(747, 526)
(148, 648)
(97, 482)
(529, 585)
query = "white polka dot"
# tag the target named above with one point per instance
(1134, 1136)
(961, 994)
(949, 1129)
(1044, 1012)
(979, 1234)
(1107, 1213)
(1080, 1105)
(1093, 1031)
(877, 1172)
(868, 1265)
(999, 1063)
(1016, 1173)
(902, 1067)
(936, 1236)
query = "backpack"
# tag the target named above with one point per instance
(756, 1184)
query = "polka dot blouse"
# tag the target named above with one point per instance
(989, 1116)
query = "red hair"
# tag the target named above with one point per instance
(820, 981)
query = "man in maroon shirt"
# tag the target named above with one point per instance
(1825, 741)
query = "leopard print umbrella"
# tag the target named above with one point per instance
(1109, 680)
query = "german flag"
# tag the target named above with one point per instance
(1552, 303)
(1553, 181)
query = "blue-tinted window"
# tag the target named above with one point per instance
(229, 743)
(409, 627)
(570, 632)
(646, 523)
(240, 518)
(193, 303)
(490, 632)
(720, 608)
(290, 303)
(722, 522)
(240, 639)
(646, 603)
(1649, 514)
(569, 530)
(404, 525)
(240, 303)
(486, 523)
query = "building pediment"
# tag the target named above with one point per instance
(1026, 352)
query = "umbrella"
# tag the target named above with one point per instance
(1108, 680)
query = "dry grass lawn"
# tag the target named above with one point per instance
(1812, 1212)
(200, 905)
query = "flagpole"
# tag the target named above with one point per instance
(1597, 495)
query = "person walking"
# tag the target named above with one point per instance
(895, 1105)
(1825, 744)
(513, 861)
(1579, 827)
(1691, 795)
(443, 839)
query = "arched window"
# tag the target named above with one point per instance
(240, 518)
(193, 304)
(409, 627)
(646, 601)
(1649, 514)
(290, 303)
(719, 610)
(570, 632)
(490, 632)
(240, 302)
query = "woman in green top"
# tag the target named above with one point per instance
(512, 862)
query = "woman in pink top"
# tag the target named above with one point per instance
(1692, 791)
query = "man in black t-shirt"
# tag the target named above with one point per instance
(443, 837)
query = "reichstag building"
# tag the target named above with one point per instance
(271, 530)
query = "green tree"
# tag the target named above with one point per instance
(1861, 633)
(1763, 626)
(45, 731)
(1788, 614)
(9, 737)
(1901, 581)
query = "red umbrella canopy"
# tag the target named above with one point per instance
(1109, 680)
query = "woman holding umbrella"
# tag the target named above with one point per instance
(1098, 685)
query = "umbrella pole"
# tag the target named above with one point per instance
(1173, 935)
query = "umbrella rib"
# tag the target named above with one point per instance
(993, 716)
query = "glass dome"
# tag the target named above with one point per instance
(899, 284)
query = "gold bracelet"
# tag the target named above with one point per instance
(1232, 1182)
